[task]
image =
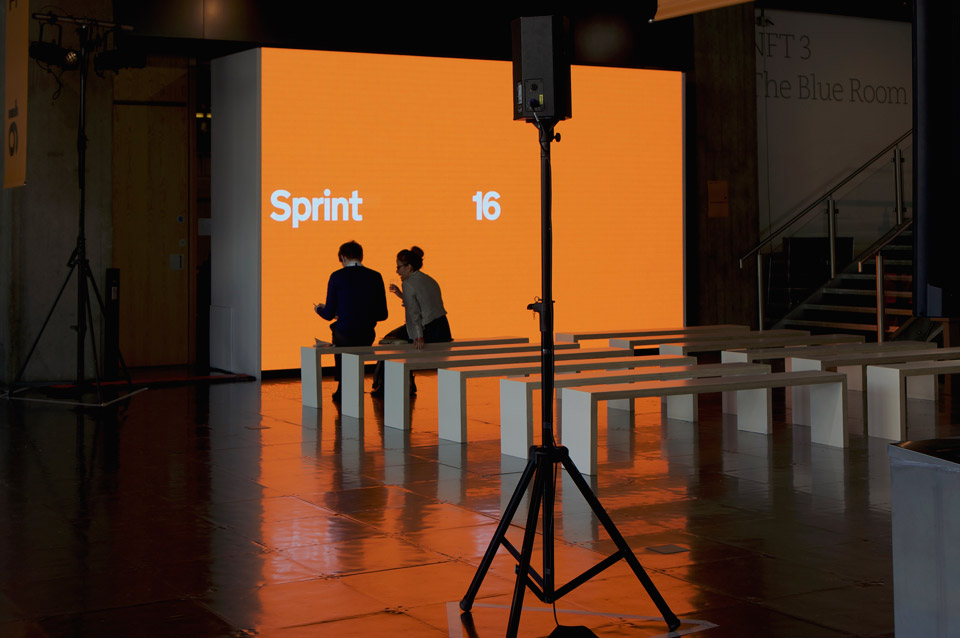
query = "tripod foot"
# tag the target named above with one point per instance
(572, 631)
(466, 621)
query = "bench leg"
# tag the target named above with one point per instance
(451, 406)
(351, 385)
(755, 411)
(828, 410)
(579, 413)
(922, 387)
(622, 420)
(800, 394)
(309, 419)
(627, 405)
(396, 395)
(854, 377)
(728, 402)
(683, 407)
(516, 418)
(729, 399)
(886, 403)
(310, 377)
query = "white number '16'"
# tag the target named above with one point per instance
(487, 205)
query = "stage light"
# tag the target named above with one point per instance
(52, 54)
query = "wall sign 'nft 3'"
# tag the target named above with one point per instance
(395, 151)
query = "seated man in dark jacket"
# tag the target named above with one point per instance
(357, 299)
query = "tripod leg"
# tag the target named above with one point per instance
(549, 497)
(103, 310)
(466, 603)
(85, 273)
(544, 466)
(668, 616)
(66, 280)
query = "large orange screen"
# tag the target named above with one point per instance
(423, 151)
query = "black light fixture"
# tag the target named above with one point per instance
(53, 53)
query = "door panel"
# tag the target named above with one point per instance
(151, 225)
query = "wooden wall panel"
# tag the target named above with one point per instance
(152, 217)
(724, 127)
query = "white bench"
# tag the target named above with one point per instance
(887, 394)
(352, 366)
(750, 355)
(516, 396)
(452, 383)
(396, 378)
(786, 353)
(585, 335)
(854, 365)
(758, 340)
(827, 401)
(311, 370)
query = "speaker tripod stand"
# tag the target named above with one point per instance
(544, 460)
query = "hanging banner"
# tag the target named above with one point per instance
(15, 94)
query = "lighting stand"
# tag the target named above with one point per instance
(541, 467)
(78, 259)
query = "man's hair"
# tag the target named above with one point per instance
(351, 250)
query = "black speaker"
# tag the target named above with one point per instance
(542, 48)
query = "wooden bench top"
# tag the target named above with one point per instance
(879, 358)
(911, 368)
(761, 354)
(404, 347)
(662, 372)
(454, 360)
(641, 389)
(583, 335)
(732, 342)
(439, 353)
(737, 337)
(627, 361)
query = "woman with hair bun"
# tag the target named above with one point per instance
(422, 302)
(426, 318)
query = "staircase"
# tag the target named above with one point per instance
(848, 302)
(791, 263)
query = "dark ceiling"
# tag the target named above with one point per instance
(605, 34)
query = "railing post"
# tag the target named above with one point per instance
(881, 310)
(898, 182)
(760, 288)
(832, 231)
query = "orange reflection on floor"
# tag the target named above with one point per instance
(232, 510)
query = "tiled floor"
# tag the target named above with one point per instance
(230, 510)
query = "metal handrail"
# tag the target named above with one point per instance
(875, 252)
(882, 243)
(783, 227)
